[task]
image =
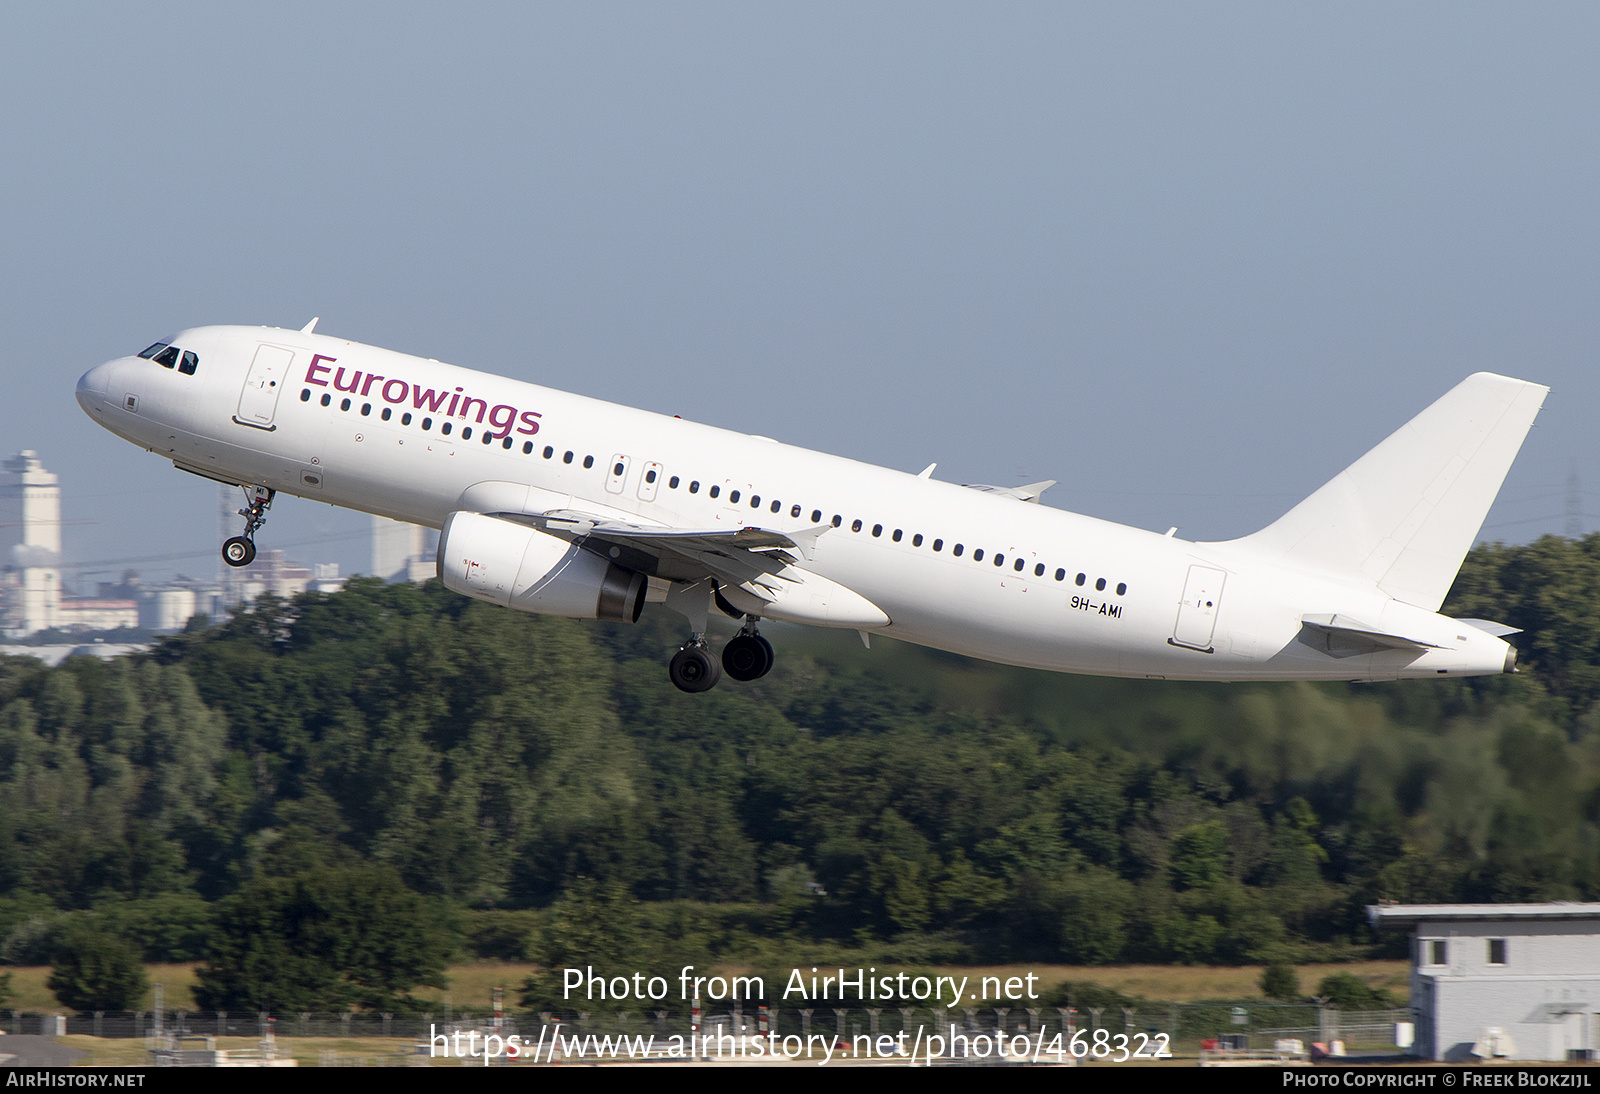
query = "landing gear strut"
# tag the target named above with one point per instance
(693, 669)
(241, 550)
(747, 656)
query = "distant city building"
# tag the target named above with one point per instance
(32, 598)
(1508, 981)
(30, 533)
(402, 552)
(82, 613)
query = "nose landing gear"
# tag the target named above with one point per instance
(241, 550)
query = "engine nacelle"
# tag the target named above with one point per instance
(515, 566)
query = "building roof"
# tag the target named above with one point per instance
(1405, 915)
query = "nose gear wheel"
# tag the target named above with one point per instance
(241, 550)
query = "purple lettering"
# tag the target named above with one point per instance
(532, 426)
(355, 381)
(431, 398)
(311, 373)
(400, 398)
(508, 413)
(366, 387)
(466, 407)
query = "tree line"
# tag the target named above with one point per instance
(303, 794)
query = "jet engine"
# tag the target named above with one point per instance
(513, 565)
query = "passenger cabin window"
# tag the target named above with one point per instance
(189, 363)
(566, 457)
(916, 540)
(794, 511)
(714, 491)
(305, 395)
(405, 419)
(733, 497)
(855, 526)
(327, 400)
(1497, 951)
(344, 404)
(527, 448)
(672, 483)
(938, 545)
(977, 555)
(694, 487)
(1122, 587)
(816, 516)
(444, 427)
(588, 461)
(1099, 584)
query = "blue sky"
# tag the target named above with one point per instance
(1189, 260)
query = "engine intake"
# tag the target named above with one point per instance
(515, 566)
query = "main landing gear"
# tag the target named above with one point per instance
(747, 656)
(693, 669)
(241, 550)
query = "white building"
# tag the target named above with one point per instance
(30, 534)
(402, 552)
(1521, 981)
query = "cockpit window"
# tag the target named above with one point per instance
(190, 363)
(153, 350)
(167, 358)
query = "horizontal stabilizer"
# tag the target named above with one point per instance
(1404, 515)
(1499, 630)
(1344, 627)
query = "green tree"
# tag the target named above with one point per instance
(1348, 991)
(327, 938)
(1280, 981)
(94, 970)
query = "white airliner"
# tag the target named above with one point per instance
(556, 503)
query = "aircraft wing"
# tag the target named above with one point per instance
(749, 557)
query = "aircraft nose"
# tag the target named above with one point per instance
(92, 385)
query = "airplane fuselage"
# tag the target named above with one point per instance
(950, 567)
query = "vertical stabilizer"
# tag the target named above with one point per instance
(1405, 514)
